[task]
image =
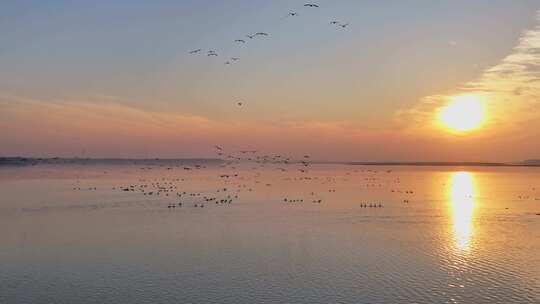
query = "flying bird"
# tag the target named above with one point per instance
(250, 36)
(232, 60)
(239, 103)
(261, 34)
(310, 5)
(293, 14)
(334, 22)
(195, 51)
(344, 25)
(240, 40)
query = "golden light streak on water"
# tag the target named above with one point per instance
(462, 205)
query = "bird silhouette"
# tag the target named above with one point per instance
(240, 40)
(293, 14)
(344, 25)
(195, 51)
(310, 5)
(261, 34)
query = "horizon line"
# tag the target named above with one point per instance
(21, 160)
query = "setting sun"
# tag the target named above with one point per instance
(462, 113)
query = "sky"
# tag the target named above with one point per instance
(115, 78)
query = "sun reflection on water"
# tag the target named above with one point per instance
(462, 205)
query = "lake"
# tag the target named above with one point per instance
(323, 233)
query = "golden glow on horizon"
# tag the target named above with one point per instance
(462, 113)
(462, 205)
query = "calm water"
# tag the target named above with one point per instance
(442, 235)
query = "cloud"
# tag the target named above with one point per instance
(67, 126)
(110, 127)
(510, 90)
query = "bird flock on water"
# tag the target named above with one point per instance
(243, 172)
(291, 182)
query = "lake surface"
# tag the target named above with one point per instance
(78, 233)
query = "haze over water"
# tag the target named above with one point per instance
(441, 235)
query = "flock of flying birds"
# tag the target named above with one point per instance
(232, 184)
(231, 60)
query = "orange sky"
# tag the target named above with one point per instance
(323, 118)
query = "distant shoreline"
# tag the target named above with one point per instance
(445, 164)
(436, 164)
(28, 161)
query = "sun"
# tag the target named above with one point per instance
(462, 114)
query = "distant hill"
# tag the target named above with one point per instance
(24, 161)
(531, 162)
(14, 161)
